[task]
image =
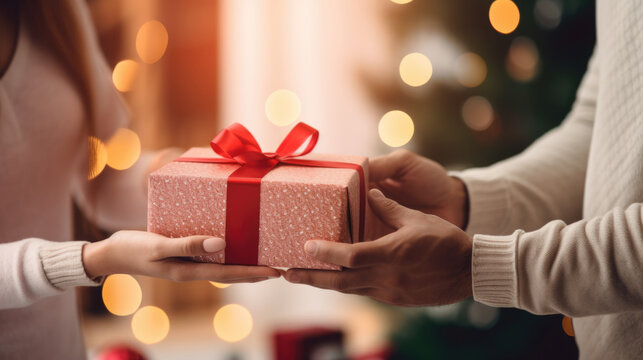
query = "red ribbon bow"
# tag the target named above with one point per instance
(237, 146)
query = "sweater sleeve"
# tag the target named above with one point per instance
(33, 268)
(540, 271)
(544, 182)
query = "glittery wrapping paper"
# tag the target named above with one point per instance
(298, 203)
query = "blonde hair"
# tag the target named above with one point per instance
(57, 24)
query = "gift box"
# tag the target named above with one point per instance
(312, 343)
(265, 205)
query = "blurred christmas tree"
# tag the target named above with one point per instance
(529, 76)
(490, 95)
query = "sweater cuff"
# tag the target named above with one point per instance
(488, 202)
(493, 270)
(63, 264)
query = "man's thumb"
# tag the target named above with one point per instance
(389, 211)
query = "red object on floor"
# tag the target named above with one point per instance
(120, 353)
(313, 343)
(380, 354)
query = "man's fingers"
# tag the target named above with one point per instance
(348, 255)
(343, 281)
(388, 166)
(189, 246)
(389, 211)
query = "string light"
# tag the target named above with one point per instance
(477, 113)
(124, 74)
(121, 294)
(482, 316)
(97, 157)
(219, 285)
(470, 70)
(150, 325)
(548, 13)
(396, 128)
(123, 149)
(504, 16)
(283, 107)
(416, 69)
(151, 41)
(522, 59)
(232, 323)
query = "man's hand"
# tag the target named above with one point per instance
(144, 253)
(426, 261)
(421, 184)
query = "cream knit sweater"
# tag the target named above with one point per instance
(577, 193)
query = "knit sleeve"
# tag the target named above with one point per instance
(32, 269)
(590, 267)
(544, 182)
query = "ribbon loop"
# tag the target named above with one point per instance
(295, 139)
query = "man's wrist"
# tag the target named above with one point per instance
(461, 202)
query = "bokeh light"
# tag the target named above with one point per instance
(523, 59)
(219, 285)
(568, 326)
(151, 41)
(123, 149)
(396, 128)
(150, 325)
(470, 70)
(477, 113)
(482, 316)
(548, 13)
(283, 107)
(232, 323)
(401, 2)
(124, 75)
(504, 16)
(121, 294)
(97, 157)
(416, 69)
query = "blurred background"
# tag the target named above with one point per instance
(466, 83)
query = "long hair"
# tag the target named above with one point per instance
(57, 23)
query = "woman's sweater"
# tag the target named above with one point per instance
(43, 157)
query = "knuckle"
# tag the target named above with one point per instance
(339, 283)
(352, 258)
(187, 247)
(403, 154)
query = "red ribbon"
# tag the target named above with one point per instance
(237, 146)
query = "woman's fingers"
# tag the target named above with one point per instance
(180, 270)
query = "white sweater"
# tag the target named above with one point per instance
(578, 193)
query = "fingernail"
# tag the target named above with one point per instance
(293, 277)
(311, 247)
(213, 244)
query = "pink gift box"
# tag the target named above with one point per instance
(298, 203)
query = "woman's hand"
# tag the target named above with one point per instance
(426, 261)
(421, 184)
(144, 253)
